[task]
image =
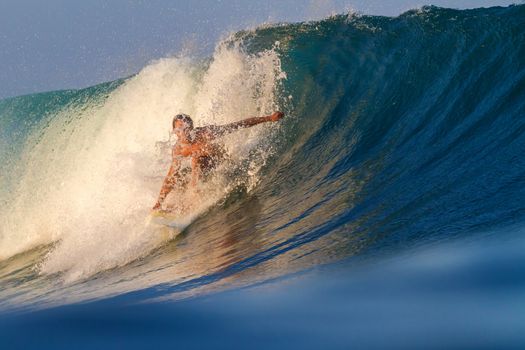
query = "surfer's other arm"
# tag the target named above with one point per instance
(169, 182)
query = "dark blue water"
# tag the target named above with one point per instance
(390, 214)
(462, 295)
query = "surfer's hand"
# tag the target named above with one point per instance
(275, 116)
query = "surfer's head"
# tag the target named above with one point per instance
(182, 121)
(183, 127)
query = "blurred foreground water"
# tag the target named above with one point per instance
(462, 294)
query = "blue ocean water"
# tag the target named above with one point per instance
(385, 211)
(462, 295)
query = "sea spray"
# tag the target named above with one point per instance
(92, 171)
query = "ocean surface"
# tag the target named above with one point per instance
(384, 211)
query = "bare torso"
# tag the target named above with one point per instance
(205, 153)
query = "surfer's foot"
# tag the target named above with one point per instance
(156, 206)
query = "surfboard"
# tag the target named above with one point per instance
(166, 218)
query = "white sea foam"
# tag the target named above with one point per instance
(94, 171)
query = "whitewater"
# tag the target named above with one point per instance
(399, 133)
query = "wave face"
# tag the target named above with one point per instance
(399, 131)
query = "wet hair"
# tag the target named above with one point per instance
(185, 119)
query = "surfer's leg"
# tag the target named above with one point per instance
(201, 167)
(209, 163)
(195, 170)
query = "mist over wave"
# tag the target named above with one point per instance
(92, 169)
(399, 131)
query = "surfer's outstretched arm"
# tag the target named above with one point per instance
(249, 122)
(217, 131)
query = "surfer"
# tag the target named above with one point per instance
(198, 144)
